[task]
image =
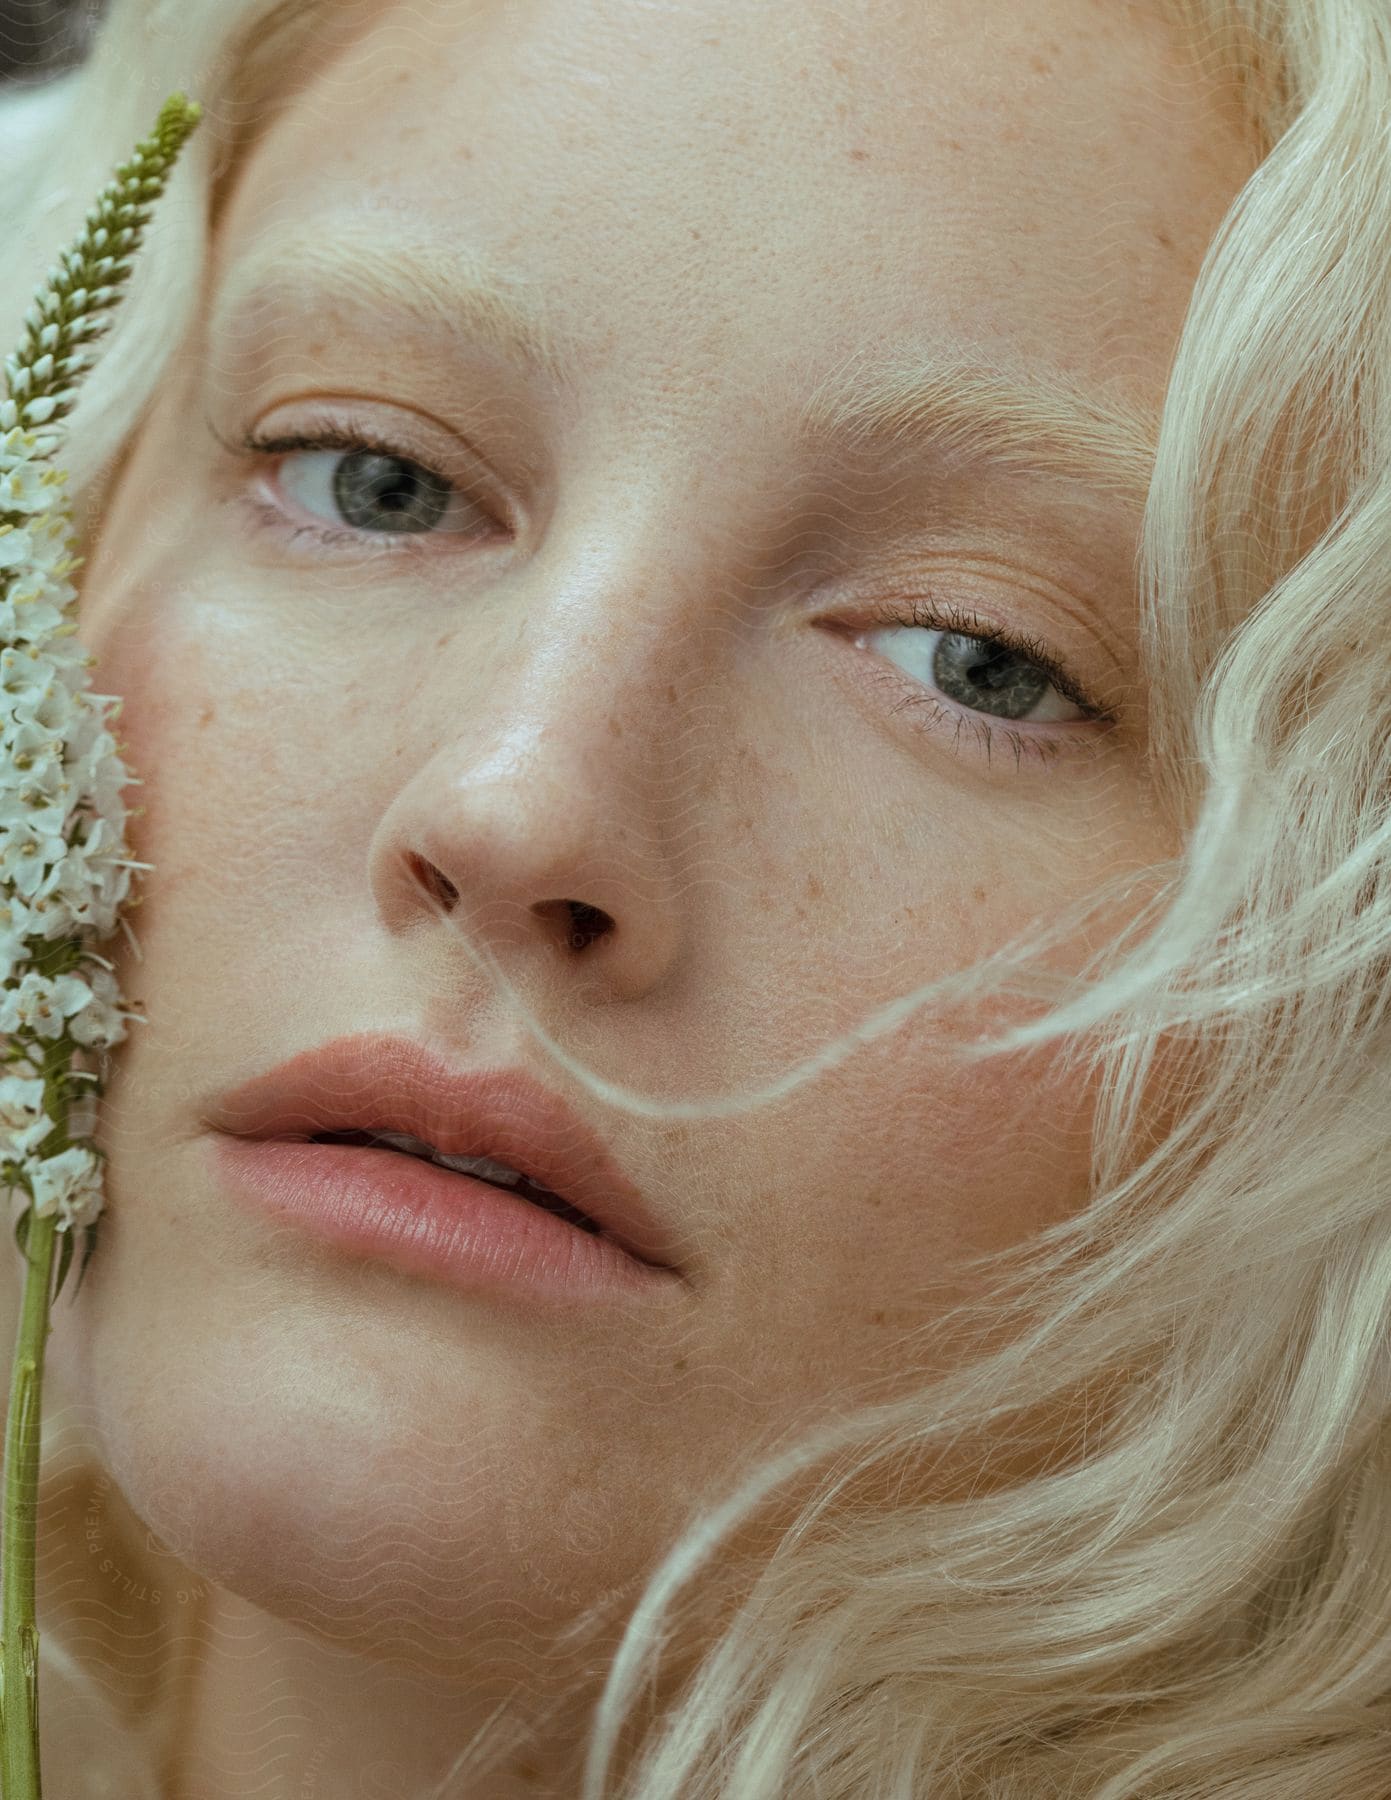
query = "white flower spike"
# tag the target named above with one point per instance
(64, 868)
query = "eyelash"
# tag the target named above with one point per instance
(326, 433)
(937, 614)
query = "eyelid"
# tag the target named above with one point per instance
(326, 430)
(1046, 741)
(930, 610)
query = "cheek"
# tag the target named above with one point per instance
(199, 730)
(861, 1239)
(165, 736)
(974, 1159)
(128, 620)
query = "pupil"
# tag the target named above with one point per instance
(1014, 685)
(369, 487)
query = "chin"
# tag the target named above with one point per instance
(332, 1507)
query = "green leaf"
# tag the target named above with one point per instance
(64, 1259)
(88, 1246)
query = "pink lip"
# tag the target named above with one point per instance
(426, 1221)
(373, 1081)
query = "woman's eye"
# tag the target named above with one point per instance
(984, 674)
(949, 657)
(359, 488)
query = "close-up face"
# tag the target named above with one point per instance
(610, 589)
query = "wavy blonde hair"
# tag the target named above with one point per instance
(1190, 1597)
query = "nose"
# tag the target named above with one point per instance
(545, 843)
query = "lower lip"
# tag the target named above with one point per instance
(428, 1221)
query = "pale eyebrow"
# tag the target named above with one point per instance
(447, 291)
(1031, 420)
(943, 401)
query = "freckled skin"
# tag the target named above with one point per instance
(624, 702)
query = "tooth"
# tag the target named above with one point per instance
(480, 1165)
(461, 1165)
(402, 1140)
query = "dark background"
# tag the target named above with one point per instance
(41, 38)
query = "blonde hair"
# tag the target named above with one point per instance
(1189, 1598)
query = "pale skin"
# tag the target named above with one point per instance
(632, 682)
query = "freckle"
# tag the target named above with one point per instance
(980, 896)
(1040, 65)
(814, 888)
(442, 641)
(695, 234)
(615, 729)
(671, 696)
(954, 144)
(876, 1318)
(679, 1366)
(207, 716)
(859, 156)
(1165, 241)
(464, 153)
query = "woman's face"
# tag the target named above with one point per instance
(642, 659)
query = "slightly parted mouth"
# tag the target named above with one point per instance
(524, 1188)
(372, 1085)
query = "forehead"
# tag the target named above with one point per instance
(720, 177)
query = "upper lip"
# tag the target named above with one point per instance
(372, 1082)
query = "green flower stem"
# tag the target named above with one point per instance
(19, 1644)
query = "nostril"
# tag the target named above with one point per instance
(438, 884)
(586, 924)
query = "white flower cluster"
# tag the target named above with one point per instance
(63, 870)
